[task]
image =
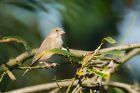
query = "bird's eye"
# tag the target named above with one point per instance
(56, 30)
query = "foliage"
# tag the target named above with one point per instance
(95, 64)
(99, 21)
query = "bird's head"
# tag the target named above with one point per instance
(56, 32)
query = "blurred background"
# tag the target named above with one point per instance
(86, 22)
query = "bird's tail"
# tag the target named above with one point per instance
(35, 59)
(32, 64)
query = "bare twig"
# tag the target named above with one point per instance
(42, 87)
(131, 54)
(22, 57)
(120, 47)
(19, 59)
(127, 87)
(56, 90)
(128, 56)
(11, 75)
(34, 67)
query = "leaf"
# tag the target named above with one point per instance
(105, 73)
(54, 51)
(61, 52)
(115, 53)
(86, 59)
(16, 39)
(109, 40)
(80, 73)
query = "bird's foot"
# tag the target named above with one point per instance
(50, 65)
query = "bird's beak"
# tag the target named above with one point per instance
(63, 32)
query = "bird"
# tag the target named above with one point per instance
(53, 40)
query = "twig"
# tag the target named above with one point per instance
(2, 75)
(128, 56)
(34, 67)
(120, 47)
(19, 59)
(127, 87)
(22, 57)
(56, 90)
(42, 87)
(11, 75)
(75, 89)
(131, 54)
(70, 85)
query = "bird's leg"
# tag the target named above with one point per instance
(49, 65)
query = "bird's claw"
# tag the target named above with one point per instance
(50, 65)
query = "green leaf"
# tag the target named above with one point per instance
(54, 51)
(101, 72)
(61, 52)
(109, 40)
(115, 53)
(16, 39)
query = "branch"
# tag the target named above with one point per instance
(127, 87)
(120, 47)
(42, 87)
(130, 55)
(22, 57)
(55, 90)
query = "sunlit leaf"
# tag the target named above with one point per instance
(105, 73)
(80, 73)
(54, 51)
(109, 40)
(61, 52)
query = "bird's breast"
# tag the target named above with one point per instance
(58, 43)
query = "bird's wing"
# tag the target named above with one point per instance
(35, 59)
(46, 44)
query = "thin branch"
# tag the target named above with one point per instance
(120, 47)
(56, 90)
(34, 67)
(26, 55)
(11, 75)
(20, 59)
(127, 57)
(42, 87)
(131, 54)
(127, 87)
